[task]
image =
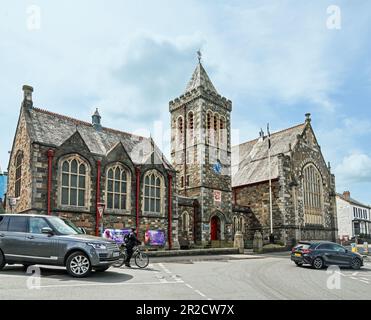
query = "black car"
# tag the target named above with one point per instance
(322, 254)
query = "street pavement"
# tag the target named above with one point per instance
(271, 276)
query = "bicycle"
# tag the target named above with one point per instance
(141, 259)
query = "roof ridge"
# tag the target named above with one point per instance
(85, 123)
(275, 133)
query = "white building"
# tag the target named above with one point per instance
(353, 217)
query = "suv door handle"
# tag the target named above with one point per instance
(2, 235)
(30, 237)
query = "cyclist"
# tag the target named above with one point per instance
(132, 241)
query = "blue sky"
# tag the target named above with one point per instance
(276, 60)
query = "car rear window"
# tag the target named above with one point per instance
(3, 223)
(301, 246)
(17, 224)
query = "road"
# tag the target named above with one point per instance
(205, 278)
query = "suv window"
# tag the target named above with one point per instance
(326, 246)
(36, 224)
(339, 248)
(4, 223)
(17, 224)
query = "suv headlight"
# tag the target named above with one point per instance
(98, 245)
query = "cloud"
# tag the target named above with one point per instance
(354, 168)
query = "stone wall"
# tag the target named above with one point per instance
(21, 145)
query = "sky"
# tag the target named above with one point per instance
(276, 61)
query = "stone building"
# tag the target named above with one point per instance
(63, 166)
(201, 154)
(303, 187)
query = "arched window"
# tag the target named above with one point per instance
(153, 192)
(216, 129)
(74, 181)
(185, 223)
(18, 174)
(312, 188)
(222, 131)
(209, 126)
(118, 188)
(190, 127)
(180, 130)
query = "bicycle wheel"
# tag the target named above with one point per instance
(120, 261)
(141, 260)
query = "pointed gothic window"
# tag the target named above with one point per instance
(74, 181)
(216, 129)
(18, 174)
(180, 130)
(117, 188)
(190, 127)
(153, 192)
(222, 131)
(312, 188)
(209, 127)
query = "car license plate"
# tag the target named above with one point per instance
(116, 254)
(297, 254)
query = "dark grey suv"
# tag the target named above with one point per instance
(49, 240)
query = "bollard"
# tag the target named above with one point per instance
(354, 247)
(365, 248)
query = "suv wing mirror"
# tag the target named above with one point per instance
(47, 230)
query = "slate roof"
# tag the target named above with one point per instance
(53, 129)
(250, 159)
(353, 201)
(200, 79)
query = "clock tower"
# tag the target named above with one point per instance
(201, 154)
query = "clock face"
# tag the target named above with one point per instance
(217, 167)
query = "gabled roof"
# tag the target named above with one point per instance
(250, 159)
(200, 79)
(353, 201)
(53, 129)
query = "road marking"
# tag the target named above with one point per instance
(178, 279)
(364, 281)
(200, 293)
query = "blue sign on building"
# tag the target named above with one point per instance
(3, 184)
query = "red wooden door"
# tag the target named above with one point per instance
(214, 228)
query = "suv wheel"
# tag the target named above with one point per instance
(2, 260)
(318, 263)
(78, 265)
(356, 264)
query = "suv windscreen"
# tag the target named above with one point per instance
(63, 226)
(302, 246)
(17, 224)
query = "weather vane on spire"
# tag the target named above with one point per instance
(199, 54)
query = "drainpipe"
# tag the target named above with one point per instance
(170, 213)
(137, 170)
(50, 154)
(97, 198)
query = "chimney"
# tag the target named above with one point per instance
(261, 135)
(346, 195)
(96, 120)
(27, 96)
(307, 118)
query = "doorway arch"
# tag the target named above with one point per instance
(215, 228)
